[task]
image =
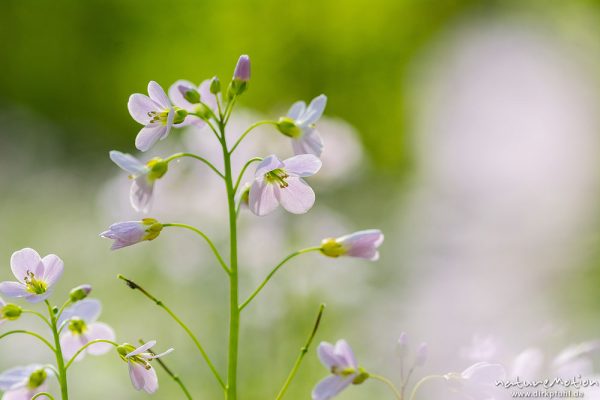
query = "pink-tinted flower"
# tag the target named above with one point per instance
(143, 177)
(36, 276)
(142, 374)
(81, 327)
(300, 125)
(132, 232)
(242, 69)
(280, 182)
(156, 113)
(22, 383)
(361, 244)
(340, 361)
(177, 96)
(478, 381)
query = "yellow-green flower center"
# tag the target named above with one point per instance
(77, 326)
(277, 176)
(35, 285)
(163, 116)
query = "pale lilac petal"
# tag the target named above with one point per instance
(297, 110)
(164, 353)
(137, 373)
(2, 302)
(16, 377)
(53, 269)
(297, 197)
(343, 350)
(128, 163)
(315, 110)
(88, 310)
(528, 364)
(26, 260)
(262, 198)
(140, 194)
(326, 352)
(71, 343)
(331, 386)
(139, 106)
(142, 349)
(150, 381)
(302, 165)
(21, 394)
(484, 372)
(149, 135)
(269, 164)
(206, 96)
(177, 97)
(309, 143)
(38, 298)
(13, 289)
(158, 94)
(363, 244)
(99, 330)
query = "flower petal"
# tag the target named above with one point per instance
(158, 94)
(150, 381)
(206, 96)
(140, 194)
(53, 269)
(137, 374)
(309, 143)
(70, 344)
(267, 165)
(326, 352)
(343, 350)
(16, 377)
(363, 244)
(302, 165)
(314, 111)
(262, 199)
(177, 97)
(330, 387)
(13, 289)
(149, 135)
(38, 298)
(164, 353)
(128, 163)
(88, 310)
(142, 349)
(99, 330)
(22, 394)
(139, 105)
(296, 110)
(297, 197)
(26, 260)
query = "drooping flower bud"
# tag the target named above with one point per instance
(10, 312)
(132, 232)
(215, 85)
(189, 93)
(288, 127)
(362, 244)
(80, 293)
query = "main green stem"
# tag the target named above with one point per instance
(234, 312)
(60, 362)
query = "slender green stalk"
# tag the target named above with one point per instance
(244, 168)
(51, 368)
(247, 131)
(201, 159)
(88, 344)
(421, 383)
(159, 303)
(60, 362)
(234, 312)
(39, 315)
(303, 352)
(169, 372)
(273, 271)
(205, 237)
(388, 383)
(65, 305)
(41, 338)
(40, 394)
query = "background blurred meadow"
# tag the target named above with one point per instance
(467, 130)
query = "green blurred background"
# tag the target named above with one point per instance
(66, 71)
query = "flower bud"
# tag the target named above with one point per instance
(80, 293)
(288, 127)
(242, 69)
(10, 312)
(153, 228)
(189, 93)
(361, 377)
(332, 248)
(180, 115)
(421, 356)
(158, 168)
(37, 378)
(402, 345)
(215, 85)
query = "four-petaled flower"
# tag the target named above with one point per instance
(300, 126)
(361, 244)
(36, 276)
(156, 113)
(340, 361)
(132, 232)
(281, 182)
(142, 375)
(143, 177)
(176, 94)
(82, 328)
(22, 383)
